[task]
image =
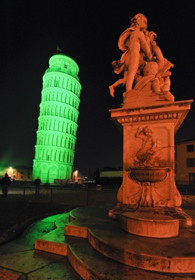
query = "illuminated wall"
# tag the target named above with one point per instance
(57, 122)
(16, 172)
(185, 161)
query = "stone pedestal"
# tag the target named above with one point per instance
(149, 123)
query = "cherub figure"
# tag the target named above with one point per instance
(156, 74)
(135, 49)
(145, 155)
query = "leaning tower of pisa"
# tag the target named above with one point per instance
(57, 122)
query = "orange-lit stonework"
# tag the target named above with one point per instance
(150, 117)
(146, 235)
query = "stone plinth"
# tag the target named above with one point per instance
(149, 122)
(148, 145)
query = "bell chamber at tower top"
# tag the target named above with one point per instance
(64, 64)
(62, 74)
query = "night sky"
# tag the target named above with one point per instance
(88, 32)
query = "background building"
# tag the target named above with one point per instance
(185, 161)
(57, 122)
(111, 176)
(16, 172)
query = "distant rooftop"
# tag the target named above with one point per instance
(186, 140)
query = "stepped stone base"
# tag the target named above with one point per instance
(53, 242)
(110, 252)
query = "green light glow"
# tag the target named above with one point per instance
(57, 122)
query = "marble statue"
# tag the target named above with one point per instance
(143, 65)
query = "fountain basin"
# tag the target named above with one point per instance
(143, 174)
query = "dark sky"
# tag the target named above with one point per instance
(88, 32)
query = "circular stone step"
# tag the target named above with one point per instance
(149, 224)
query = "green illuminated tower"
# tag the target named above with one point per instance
(57, 122)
